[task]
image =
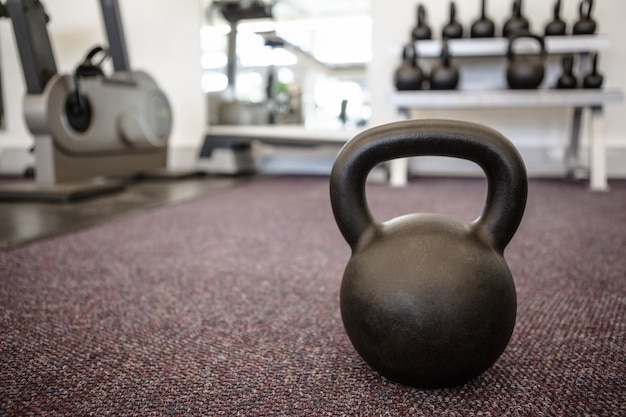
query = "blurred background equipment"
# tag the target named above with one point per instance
(87, 125)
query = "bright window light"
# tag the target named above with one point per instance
(213, 60)
(265, 56)
(329, 41)
(214, 82)
(213, 38)
(329, 93)
(286, 76)
(325, 38)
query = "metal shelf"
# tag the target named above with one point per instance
(282, 135)
(578, 99)
(505, 98)
(498, 46)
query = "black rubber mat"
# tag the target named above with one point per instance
(24, 221)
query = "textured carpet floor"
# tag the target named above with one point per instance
(228, 305)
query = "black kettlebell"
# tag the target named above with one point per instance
(557, 26)
(517, 22)
(409, 76)
(421, 31)
(428, 300)
(567, 79)
(585, 25)
(444, 76)
(593, 79)
(453, 29)
(483, 27)
(525, 71)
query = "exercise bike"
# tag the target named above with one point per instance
(89, 128)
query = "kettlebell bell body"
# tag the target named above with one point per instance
(517, 22)
(409, 76)
(421, 31)
(444, 76)
(525, 72)
(483, 27)
(557, 26)
(593, 79)
(427, 300)
(585, 25)
(567, 79)
(453, 29)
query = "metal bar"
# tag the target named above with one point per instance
(115, 35)
(572, 160)
(231, 68)
(505, 98)
(597, 155)
(29, 24)
(497, 46)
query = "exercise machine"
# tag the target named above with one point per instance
(89, 128)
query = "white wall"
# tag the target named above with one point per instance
(546, 131)
(162, 38)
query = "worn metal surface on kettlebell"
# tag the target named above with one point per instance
(428, 300)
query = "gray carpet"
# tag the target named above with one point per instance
(228, 305)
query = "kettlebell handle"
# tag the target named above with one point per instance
(421, 14)
(589, 4)
(499, 159)
(409, 54)
(511, 55)
(445, 52)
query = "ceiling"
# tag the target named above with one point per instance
(316, 28)
(302, 9)
(316, 8)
